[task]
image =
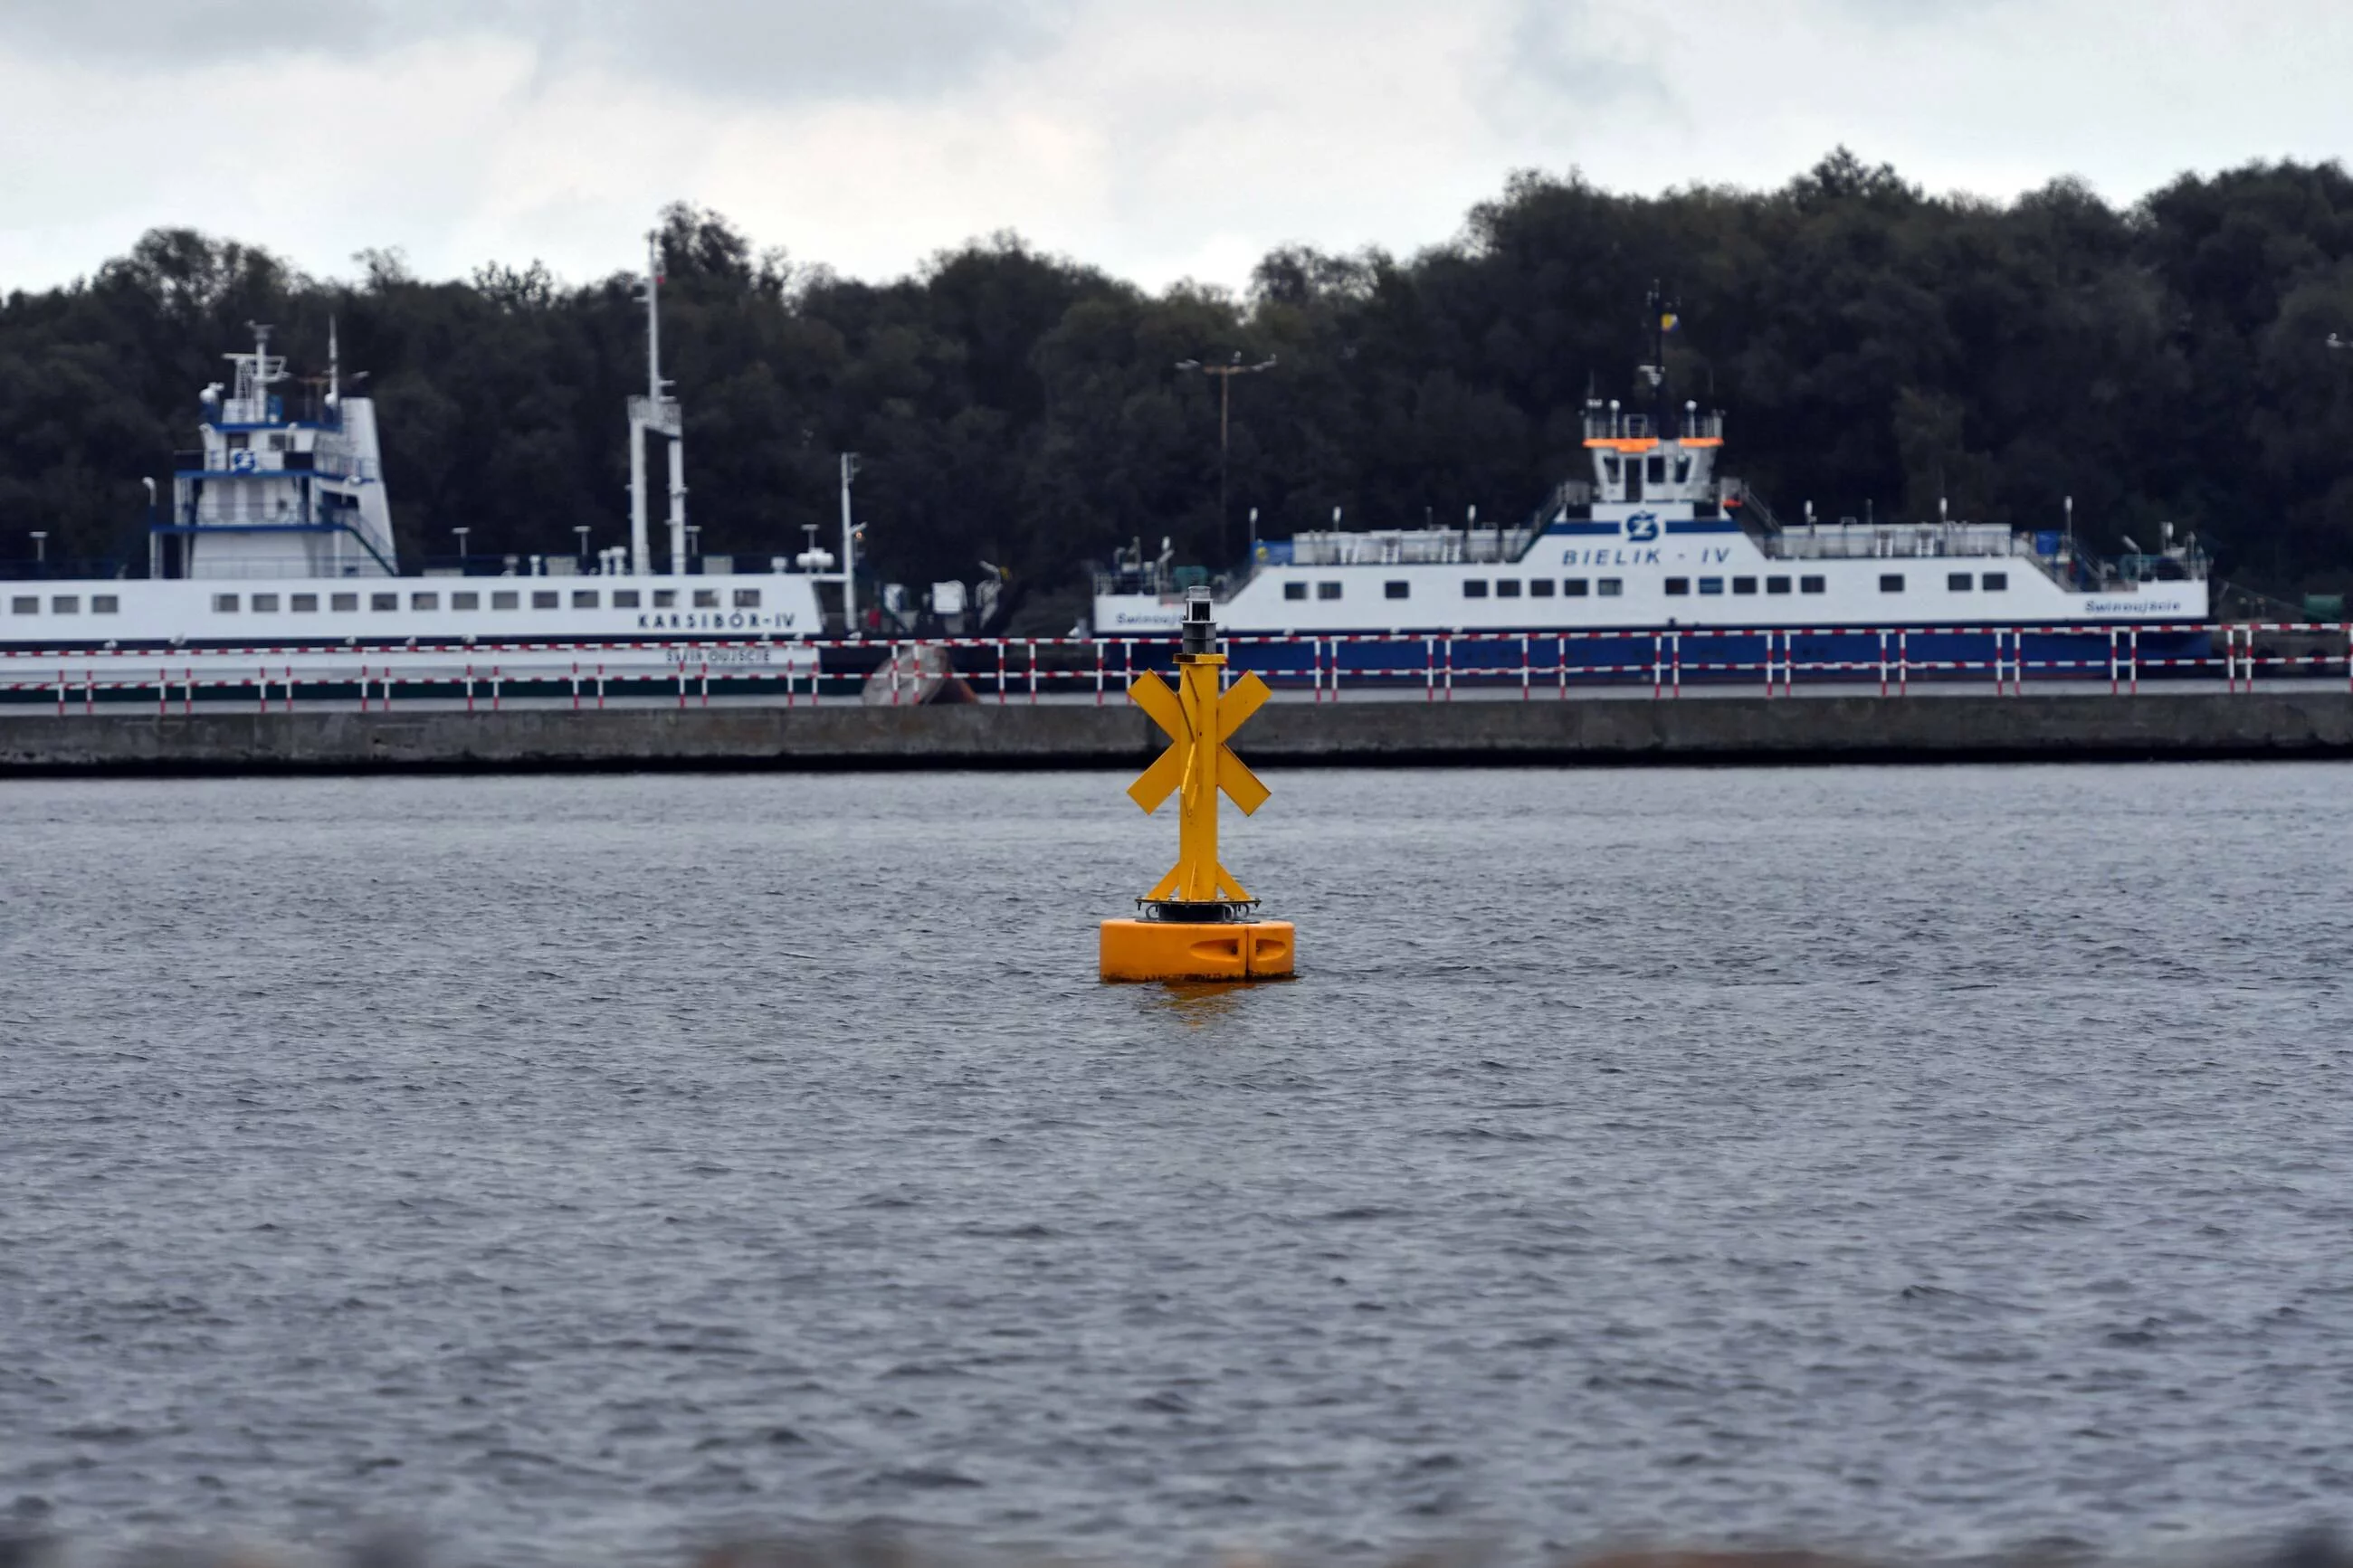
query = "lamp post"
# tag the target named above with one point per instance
(582, 530)
(461, 533)
(1225, 374)
(40, 547)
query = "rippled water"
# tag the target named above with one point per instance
(1935, 1159)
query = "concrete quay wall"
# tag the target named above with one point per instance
(2282, 723)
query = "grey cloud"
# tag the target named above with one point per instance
(757, 49)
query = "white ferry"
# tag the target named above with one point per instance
(1655, 545)
(280, 537)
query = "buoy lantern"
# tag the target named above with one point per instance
(1197, 922)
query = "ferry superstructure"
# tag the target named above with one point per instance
(1655, 542)
(279, 536)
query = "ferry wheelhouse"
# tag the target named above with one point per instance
(279, 536)
(1654, 545)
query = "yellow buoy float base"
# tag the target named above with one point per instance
(1182, 950)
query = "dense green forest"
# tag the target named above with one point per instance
(1872, 343)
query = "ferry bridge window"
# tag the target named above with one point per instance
(1540, 587)
(224, 603)
(1811, 585)
(624, 598)
(104, 605)
(384, 601)
(465, 601)
(1395, 590)
(1474, 587)
(1744, 584)
(1711, 584)
(665, 598)
(584, 598)
(265, 604)
(31, 607)
(1507, 588)
(1777, 584)
(1996, 582)
(1678, 585)
(1658, 470)
(747, 598)
(66, 605)
(706, 598)
(506, 601)
(1682, 468)
(1956, 582)
(424, 601)
(1610, 587)
(545, 598)
(1574, 587)
(1891, 582)
(304, 604)
(344, 604)
(1294, 590)
(1328, 590)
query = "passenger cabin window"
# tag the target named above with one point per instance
(1294, 590)
(104, 605)
(1777, 584)
(1328, 590)
(1811, 585)
(504, 601)
(1956, 582)
(1396, 590)
(584, 598)
(1574, 587)
(546, 599)
(304, 604)
(380, 602)
(1474, 587)
(1678, 585)
(66, 605)
(424, 601)
(747, 598)
(624, 598)
(1744, 584)
(465, 601)
(1541, 587)
(344, 604)
(1711, 584)
(706, 598)
(1996, 582)
(224, 603)
(25, 606)
(1610, 587)
(1891, 582)
(665, 598)
(265, 604)
(1507, 588)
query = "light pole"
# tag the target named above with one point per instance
(582, 530)
(461, 533)
(40, 547)
(1225, 374)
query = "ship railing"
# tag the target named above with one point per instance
(1618, 425)
(1432, 666)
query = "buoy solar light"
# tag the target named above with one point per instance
(1197, 922)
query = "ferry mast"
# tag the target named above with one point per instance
(655, 413)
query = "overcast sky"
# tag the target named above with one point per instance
(1159, 141)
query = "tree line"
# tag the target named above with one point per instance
(1876, 348)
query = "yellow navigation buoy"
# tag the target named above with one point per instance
(1197, 922)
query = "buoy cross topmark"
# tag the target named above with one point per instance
(1197, 766)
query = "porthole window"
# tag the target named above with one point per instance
(66, 605)
(465, 601)
(1474, 587)
(1744, 584)
(665, 598)
(706, 598)
(1294, 590)
(546, 599)
(25, 605)
(584, 598)
(1777, 584)
(381, 602)
(424, 601)
(1611, 587)
(1956, 582)
(508, 600)
(104, 605)
(1711, 584)
(1996, 582)
(344, 604)
(224, 603)
(1507, 588)
(1891, 582)
(1396, 590)
(624, 598)
(747, 598)
(1811, 585)
(1574, 587)
(1541, 587)
(1678, 587)
(265, 604)
(1328, 590)
(304, 604)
